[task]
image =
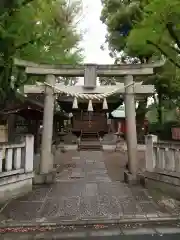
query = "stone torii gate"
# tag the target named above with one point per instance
(90, 72)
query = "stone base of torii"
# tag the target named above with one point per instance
(90, 72)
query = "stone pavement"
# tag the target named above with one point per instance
(85, 192)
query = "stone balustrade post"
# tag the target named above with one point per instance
(149, 153)
(29, 153)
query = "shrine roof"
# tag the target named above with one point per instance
(20, 104)
(29, 106)
(119, 112)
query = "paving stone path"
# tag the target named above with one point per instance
(84, 191)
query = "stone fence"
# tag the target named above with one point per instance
(162, 166)
(16, 168)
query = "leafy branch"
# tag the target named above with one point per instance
(164, 53)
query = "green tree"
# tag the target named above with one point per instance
(39, 31)
(119, 17)
(128, 39)
(55, 31)
(159, 30)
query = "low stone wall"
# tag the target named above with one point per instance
(16, 168)
(15, 186)
(162, 168)
(164, 183)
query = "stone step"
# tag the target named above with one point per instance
(90, 142)
(89, 139)
(87, 147)
(90, 145)
(93, 135)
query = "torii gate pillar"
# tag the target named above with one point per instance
(46, 174)
(131, 134)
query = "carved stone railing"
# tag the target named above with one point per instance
(16, 158)
(162, 156)
(16, 168)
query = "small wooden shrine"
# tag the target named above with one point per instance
(89, 116)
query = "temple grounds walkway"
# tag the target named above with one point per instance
(89, 189)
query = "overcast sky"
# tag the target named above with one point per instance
(95, 33)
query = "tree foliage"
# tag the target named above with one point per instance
(55, 34)
(143, 28)
(42, 31)
(119, 17)
(159, 30)
(143, 31)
